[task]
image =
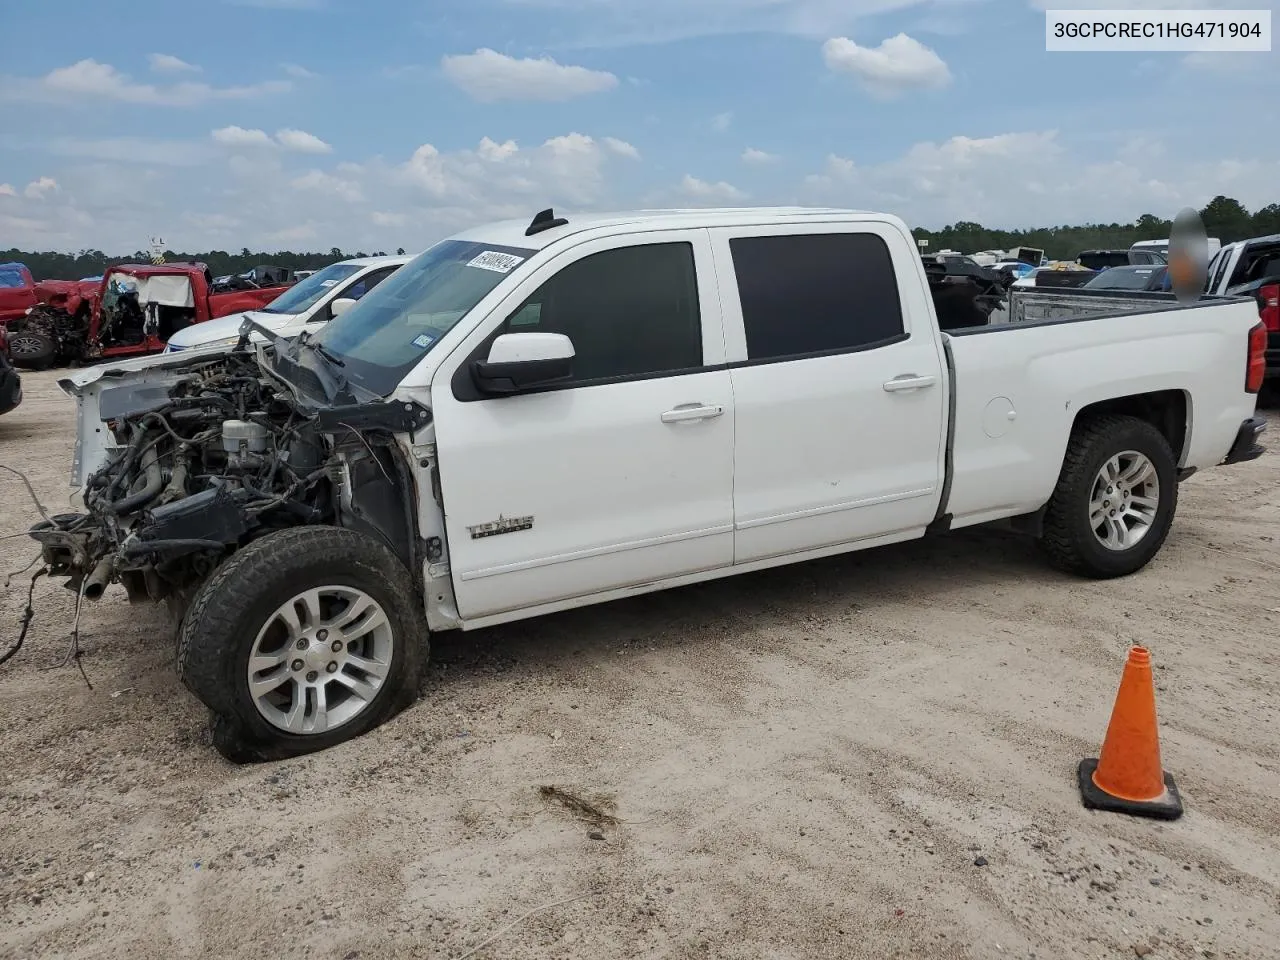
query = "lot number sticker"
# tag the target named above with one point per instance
(495, 261)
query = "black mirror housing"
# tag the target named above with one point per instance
(520, 376)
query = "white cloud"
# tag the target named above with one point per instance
(326, 183)
(899, 64)
(1031, 178)
(1014, 178)
(492, 151)
(240, 137)
(489, 76)
(40, 189)
(721, 121)
(295, 141)
(146, 151)
(88, 80)
(704, 190)
(6, 190)
(300, 141)
(499, 178)
(621, 148)
(168, 63)
(298, 71)
(758, 157)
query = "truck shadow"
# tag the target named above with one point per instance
(915, 573)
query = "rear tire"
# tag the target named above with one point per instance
(1115, 499)
(323, 623)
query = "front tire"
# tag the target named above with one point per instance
(1115, 499)
(302, 640)
(32, 350)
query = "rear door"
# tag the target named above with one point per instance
(621, 476)
(839, 384)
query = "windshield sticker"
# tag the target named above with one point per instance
(423, 340)
(495, 261)
(328, 283)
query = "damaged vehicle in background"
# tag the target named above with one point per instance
(306, 305)
(532, 417)
(17, 291)
(10, 381)
(133, 310)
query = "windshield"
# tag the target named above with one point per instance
(303, 295)
(391, 328)
(1123, 278)
(10, 278)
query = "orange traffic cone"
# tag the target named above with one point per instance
(1127, 776)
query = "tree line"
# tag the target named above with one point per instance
(52, 265)
(1223, 217)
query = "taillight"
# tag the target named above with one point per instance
(1256, 369)
(1269, 306)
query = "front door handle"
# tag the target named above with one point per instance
(692, 411)
(909, 381)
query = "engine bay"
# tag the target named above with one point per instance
(199, 464)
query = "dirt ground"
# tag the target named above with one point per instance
(867, 757)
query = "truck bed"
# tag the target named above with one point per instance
(1092, 347)
(1032, 304)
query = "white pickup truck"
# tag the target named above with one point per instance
(530, 417)
(314, 299)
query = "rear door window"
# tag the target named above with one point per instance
(807, 294)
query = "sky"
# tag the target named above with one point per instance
(309, 124)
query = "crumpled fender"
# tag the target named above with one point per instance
(68, 295)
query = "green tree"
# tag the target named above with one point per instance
(1226, 219)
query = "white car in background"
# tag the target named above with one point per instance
(306, 305)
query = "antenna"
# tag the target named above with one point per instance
(545, 220)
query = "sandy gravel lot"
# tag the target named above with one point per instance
(804, 764)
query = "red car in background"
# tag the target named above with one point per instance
(17, 291)
(133, 309)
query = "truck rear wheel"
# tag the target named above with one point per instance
(302, 640)
(1115, 499)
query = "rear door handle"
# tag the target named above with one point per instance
(909, 381)
(692, 411)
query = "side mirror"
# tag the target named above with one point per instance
(524, 361)
(341, 305)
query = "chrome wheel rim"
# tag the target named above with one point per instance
(1124, 500)
(24, 345)
(320, 659)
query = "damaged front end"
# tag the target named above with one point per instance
(178, 464)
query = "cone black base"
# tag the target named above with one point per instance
(1094, 798)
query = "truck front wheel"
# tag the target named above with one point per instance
(32, 349)
(302, 640)
(1115, 499)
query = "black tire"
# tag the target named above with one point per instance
(220, 627)
(1068, 538)
(32, 349)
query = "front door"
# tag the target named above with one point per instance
(840, 391)
(621, 476)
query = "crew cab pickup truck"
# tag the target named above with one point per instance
(535, 416)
